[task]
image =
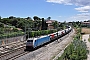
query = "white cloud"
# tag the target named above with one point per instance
(83, 9)
(84, 14)
(85, 4)
(71, 2)
(66, 2)
(55, 1)
(59, 16)
(80, 17)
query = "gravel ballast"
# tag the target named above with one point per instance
(48, 52)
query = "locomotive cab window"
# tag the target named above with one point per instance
(30, 41)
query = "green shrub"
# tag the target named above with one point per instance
(75, 51)
(15, 30)
(13, 34)
(32, 34)
(39, 33)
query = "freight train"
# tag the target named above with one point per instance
(36, 42)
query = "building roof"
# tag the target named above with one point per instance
(50, 21)
(86, 22)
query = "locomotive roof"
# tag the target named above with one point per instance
(37, 37)
(31, 38)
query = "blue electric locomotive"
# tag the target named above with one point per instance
(35, 42)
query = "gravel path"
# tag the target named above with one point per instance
(85, 37)
(49, 51)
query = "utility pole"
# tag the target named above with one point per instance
(28, 32)
(57, 36)
(57, 33)
(25, 32)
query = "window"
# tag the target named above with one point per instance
(30, 41)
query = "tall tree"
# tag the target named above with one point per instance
(44, 24)
(0, 17)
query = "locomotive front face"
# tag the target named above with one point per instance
(29, 44)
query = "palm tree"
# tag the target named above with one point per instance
(48, 18)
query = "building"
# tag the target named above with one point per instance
(50, 22)
(86, 24)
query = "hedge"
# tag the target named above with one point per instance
(13, 34)
(39, 33)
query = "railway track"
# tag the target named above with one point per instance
(6, 48)
(49, 51)
(17, 55)
(12, 52)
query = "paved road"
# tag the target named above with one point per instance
(49, 51)
(85, 37)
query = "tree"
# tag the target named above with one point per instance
(39, 23)
(11, 17)
(48, 18)
(35, 18)
(5, 20)
(29, 18)
(44, 24)
(0, 17)
(1, 25)
(14, 22)
(55, 24)
(21, 25)
(39, 19)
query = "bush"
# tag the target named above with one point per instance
(77, 50)
(39, 33)
(13, 34)
(15, 30)
(1, 25)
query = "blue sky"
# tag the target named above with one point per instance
(61, 10)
